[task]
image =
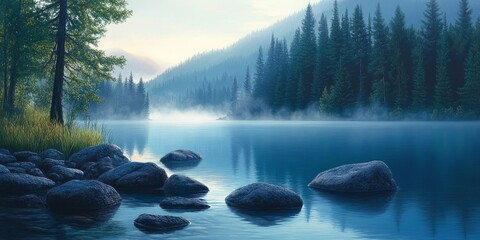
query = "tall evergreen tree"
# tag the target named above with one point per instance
(247, 86)
(380, 60)
(419, 88)
(443, 98)
(234, 96)
(259, 74)
(470, 92)
(432, 29)
(308, 50)
(322, 72)
(294, 74)
(462, 41)
(360, 54)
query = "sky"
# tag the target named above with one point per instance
(164, 33)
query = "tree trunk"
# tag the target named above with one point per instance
(56, 110)
(12, 87)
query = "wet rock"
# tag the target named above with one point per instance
(53, 154)
(5, 151)
(36, 172)
(35, 159)
(25, 165)
(372, 176)
(17, 170)
(183, 203)
(82, 196)
(60, 173)
(23, 156)
(264, 196)
(3, 169)
(4, 158)
(96, 160)
(149, 222)
(180, 156)
(181, 185)
(135, 176)
(46, 164)
(18, 184)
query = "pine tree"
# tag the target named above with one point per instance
(259, 74)
(247, 86)
(432, 29)
(463, 36)
(360, 53)
(443, 98)
(292, 86)
(341, 92)
(308, 49)
(322, 71)
(335, 38)
(419, 88)
(470, 92)
(234, 96)
(380, 60)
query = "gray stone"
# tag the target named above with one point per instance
(149, 222)
(36, 172)
(82, 196)
(4, 159)
(23, 156)
(3, 169)
(96, 160)
(180, 156)
(36, 159)
(135, 176)
(25, 165)
(19, 184)
(46, 164)
(60, 173)
(53, 154)
(5, 151)
(17, 170)
(372, 176)
(264, 196)
(180, 184)
(183, 203)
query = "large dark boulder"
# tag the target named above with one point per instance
(53, 154)
(19, 184)
(60, 173)
(183, 203)
(154, 223)
(24, 167)
(135, 176)
(180, 156)
(372, 176)
(183, 185)
(23, 156)
(264, 196)
(96, 160)
(3, 169)
(78, 196)
(6, 158)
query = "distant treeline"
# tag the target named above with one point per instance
(360, 62)
(121, 100)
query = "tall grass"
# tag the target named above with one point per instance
(33, 131)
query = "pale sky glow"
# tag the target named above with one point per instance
(170, 31)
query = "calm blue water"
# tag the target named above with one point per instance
(436, 166)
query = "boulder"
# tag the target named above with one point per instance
(47, 163)
(5, 158)
(135, 176)
(35, 159)
(96, 160)
(3, 169)
(180, 185)
(183, 203)
(149, 222)
(180, 156)
(19, 184)
(24, 155)
(17, 170)
(264, 196)
(25, 165)
(5, 151)
(36, 172)
(79, 196)
(60, 173)
(53, 154)
(367, 177)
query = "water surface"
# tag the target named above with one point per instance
(436, 166)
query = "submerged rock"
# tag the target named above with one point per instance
(60, 173)
(96, 160)
(372, 176)
(180, 156)
(23, 156)
(264, 196)
(135, 176)
(82, 196)
(53, 154)
(183, 203)
(149, 222)
(4, 158)
(3, 169)
(180, 184)
(19, 184)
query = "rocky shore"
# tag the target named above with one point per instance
(92, 180)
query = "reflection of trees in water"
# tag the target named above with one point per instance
(435, 167)
(129, 136)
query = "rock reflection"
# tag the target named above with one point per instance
(86, 220)
(265, 218)
(182, 166)
(363, 203)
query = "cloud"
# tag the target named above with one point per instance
(138, 65)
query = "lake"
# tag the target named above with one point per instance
(436, 166)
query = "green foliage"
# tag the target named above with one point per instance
(443, 98)
(470, 92)
(33, 131)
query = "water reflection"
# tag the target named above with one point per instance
(130, 136)
(265, 218)
(86, 220)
